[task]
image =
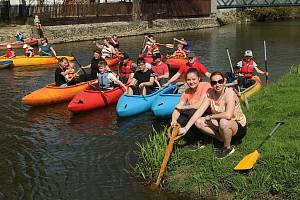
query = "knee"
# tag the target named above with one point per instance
(224, 124)
(200, 123)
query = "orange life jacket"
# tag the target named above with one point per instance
(179, 53)
(247, 70)
(153, 49)
(125, 69)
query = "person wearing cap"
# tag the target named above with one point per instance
(28, 50)
(126, 69)
(143, 80)
(9, 53)
(247, 67)
(160, 69)
(46, 49)
(192, 63)
(94, 64)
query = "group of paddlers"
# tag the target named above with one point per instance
(212, 107)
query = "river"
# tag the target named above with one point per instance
(48, 153)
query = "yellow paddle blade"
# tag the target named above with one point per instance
(248, 161)
(171, 46)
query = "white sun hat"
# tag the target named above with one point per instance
(248, 53)
(8, 46)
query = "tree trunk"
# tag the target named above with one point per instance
(136, 10)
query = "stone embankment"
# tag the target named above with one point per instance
(81, 32)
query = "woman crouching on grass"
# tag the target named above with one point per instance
(227, 121)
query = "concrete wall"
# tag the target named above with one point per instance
(79, 32)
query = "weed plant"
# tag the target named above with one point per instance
(276, 174)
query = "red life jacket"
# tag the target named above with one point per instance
(247, 70)
(125, 69)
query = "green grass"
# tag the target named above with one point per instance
(276, 174)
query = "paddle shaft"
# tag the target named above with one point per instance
(266, 64)
(227, 50)
(168, 152)
(278, 124)
(78, 63)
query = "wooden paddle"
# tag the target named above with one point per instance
(170, 46)
(266, 66)
(168, 152)
(79, 64)
(231, 66)
(249, 160)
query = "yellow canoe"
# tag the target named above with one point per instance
(255, 88)
(51, 94)
(20, 61)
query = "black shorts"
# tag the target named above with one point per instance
(185, 116)
(240, 134)
(136, 89)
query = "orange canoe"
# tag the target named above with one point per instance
(176, 63)
(52, 94)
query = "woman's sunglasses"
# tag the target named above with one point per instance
(218, 81)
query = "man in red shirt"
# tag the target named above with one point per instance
(160, 69)
(191, 64)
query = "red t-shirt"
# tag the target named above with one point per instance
(160, 69)
(201, 68)
(192, 97)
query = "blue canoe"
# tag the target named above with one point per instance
(164, 104)
(5, 63)
(129, 105)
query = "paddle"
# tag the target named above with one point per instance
(249, 160)
(245, 97)
(168, 152)
(170, 46)
(79, 64)
(266, 66)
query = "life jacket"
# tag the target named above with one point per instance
(179, 53)
(247, 70)
(125, 69)
(153, 49)
(10, 53)
(104, 82)
(29, 52)
(107, 52)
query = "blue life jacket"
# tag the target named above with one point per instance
(104, 82)
(186, 47)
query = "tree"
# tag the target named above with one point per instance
(136, 10)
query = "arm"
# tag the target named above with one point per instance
(196, 116)
(260, 71)
(207, 74)
(53, 51)
(87, 66)
(121, 84)
(181, 42)
(149, 83)
(174, 78)
(133, 81)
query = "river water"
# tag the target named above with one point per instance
(48, 153)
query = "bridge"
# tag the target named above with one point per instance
(225, 4)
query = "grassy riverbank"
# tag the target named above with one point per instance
(198, 174)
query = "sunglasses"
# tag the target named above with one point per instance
(218, 81)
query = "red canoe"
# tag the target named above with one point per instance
(91, 99)
(176, 63)
(19, 44)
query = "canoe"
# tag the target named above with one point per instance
(91, 98)
(250, 91)
(52, 94)
(15, 45)
(176, 63)
(5, 64)
(19, 61)
(112, 61)
(129, 105)
(165, 103)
